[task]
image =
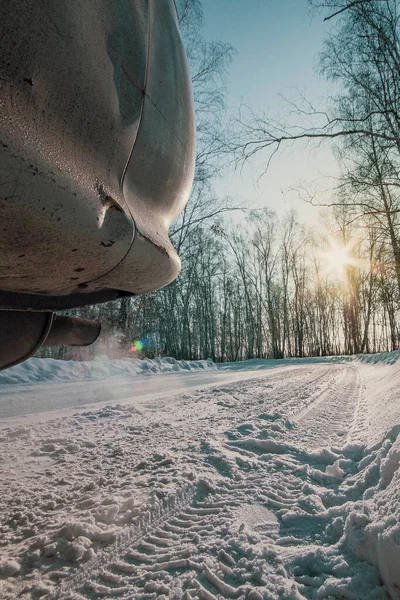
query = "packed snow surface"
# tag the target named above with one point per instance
(264, 483)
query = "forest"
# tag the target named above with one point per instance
(261, 284)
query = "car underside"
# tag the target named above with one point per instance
(97, 144)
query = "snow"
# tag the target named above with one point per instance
(244, 482)
(386, 358)
(40, 370)
(36, 370)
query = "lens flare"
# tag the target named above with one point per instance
(138, 345)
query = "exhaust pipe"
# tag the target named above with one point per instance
(22, 333)
(71, 331)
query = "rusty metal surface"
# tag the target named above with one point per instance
(97, 149)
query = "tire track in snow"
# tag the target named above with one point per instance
(199, 551)
(256, 500)
(131, 537)
(195, 550)
(329, 416)
(359, 428)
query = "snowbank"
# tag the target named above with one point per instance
(39, 370)
(385, 358)
(255, 364)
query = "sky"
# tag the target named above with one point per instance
(277, 42)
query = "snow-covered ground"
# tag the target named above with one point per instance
(242, 481)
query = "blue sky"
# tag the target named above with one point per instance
(276, 42)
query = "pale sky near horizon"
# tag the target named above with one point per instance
(276, 42)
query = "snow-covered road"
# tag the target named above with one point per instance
(23, 400)
(279, 484)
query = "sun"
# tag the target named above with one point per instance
(338, 258)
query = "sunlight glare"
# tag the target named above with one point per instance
(338, 258)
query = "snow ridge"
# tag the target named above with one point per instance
(39, 370)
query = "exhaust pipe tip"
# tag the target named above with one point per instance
(22, 333)
(72, 331)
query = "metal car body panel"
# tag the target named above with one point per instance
(97, 148)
